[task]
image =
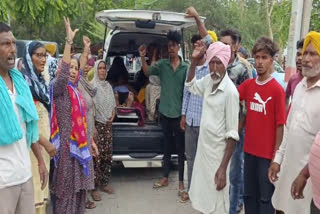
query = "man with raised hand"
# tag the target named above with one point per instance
(209, 192)
(172, 73)
(238, 73)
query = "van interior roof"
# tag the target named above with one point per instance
(122, 44)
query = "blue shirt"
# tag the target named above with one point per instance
(192, 104)
(280, 79)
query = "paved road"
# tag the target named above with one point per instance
(134, 194)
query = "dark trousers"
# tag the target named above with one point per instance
(314, 209)
(173, 138)
(191, 144)
(258, 190)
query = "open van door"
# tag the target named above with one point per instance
(140, 20)
(148, 21)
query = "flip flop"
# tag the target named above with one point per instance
(90, 205)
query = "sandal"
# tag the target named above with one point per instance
(159, 185)
(184, 196)
(90, 204)
(181, 192)
(95, 195)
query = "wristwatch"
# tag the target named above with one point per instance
(70, 42)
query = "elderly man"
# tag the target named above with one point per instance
(209, 190)
(238, 72)
(302, 127)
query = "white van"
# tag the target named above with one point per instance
(127, 30)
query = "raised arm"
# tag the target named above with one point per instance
(143, 52)
(197, 87)
(61, 81)
(69, 40)
(85, 53)
(197, 55)
(192, 13)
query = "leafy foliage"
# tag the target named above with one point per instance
(43, 19)
(315, 16)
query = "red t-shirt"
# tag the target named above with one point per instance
(265, 111)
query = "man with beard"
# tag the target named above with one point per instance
(209, 192)
(18, 132)
(297, 77)
(302, 127)
(265, 119)
(238, 73)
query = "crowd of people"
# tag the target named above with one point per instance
(249, 141)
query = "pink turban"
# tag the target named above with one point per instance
(220, 50)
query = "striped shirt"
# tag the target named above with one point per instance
(192, 104)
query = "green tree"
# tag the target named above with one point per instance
(3, 11)
(315, 16)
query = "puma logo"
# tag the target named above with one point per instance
(259, 107)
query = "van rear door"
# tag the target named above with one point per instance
(145, 20)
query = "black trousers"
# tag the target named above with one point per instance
(314, 209)
(258, 190)
(173, 139)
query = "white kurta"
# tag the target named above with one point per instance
(302, 126)
(219, 122)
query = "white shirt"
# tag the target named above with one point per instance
(219, 121)
(15, 164)
(303, 123)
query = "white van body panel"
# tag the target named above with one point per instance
(126, 20)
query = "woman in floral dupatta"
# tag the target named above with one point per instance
(73, 174)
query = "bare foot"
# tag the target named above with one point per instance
(130, 99)
(95, 195)
(116, 96)
(181, 185)
(107, 189)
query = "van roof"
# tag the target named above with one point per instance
(145, 20)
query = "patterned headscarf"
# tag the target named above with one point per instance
(37, 84)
